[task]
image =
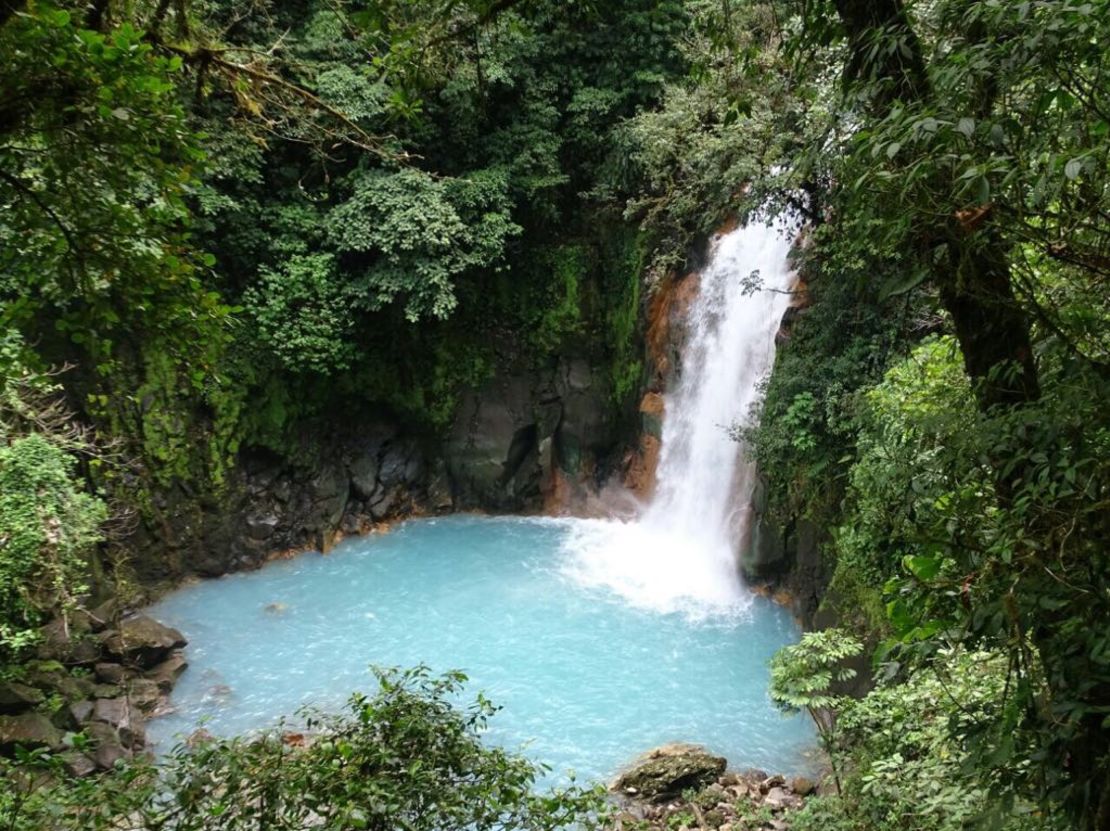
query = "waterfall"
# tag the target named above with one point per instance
(681, 553)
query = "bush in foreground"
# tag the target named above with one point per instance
(404, 758)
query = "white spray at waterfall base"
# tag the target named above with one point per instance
(680, 554)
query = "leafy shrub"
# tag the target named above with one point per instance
(906, 750)
(404, 758)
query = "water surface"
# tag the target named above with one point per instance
(587, 679)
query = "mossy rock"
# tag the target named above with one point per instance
(667, 771)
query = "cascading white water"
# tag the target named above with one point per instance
(680, 555)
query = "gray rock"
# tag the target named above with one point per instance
(107, 746)
(363, 470)
(52, 678)
(16, 697)
(262, 527)
(78, 764)
(63, 719)
(400, 465)
(165, 675)
(124, 717)
(778, 799)
(108, 673)
(81, 711)
(99, 618)
(70, 644)
(29, 730)
(714, 818)
(484, 467)
(145, 694)
(774, 781)
(143, 641)
(384, 502)
(667, 771)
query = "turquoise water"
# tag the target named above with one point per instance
(587, 680)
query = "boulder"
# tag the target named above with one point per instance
(124, 717)
(143, 641)
(78, 764)
(262, 527)
(52, 677)
(29, 730)
(384, 502)
(109, 673)
(401, 464)
(16, 697)
(363, 470)
(165, 675)
(99, 618)
(107, 746)
(802, 785)
(63, 719)
(667, 771)
(778, 799)
(70, 643)
(81, 711)
(775, 780)
(145, 694)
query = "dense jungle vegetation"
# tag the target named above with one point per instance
(221, 222)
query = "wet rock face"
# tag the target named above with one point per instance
(514, 438)
(343, 482)
(511, 443)
(664, 773)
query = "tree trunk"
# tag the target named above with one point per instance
(992, 329)
(994, 336)
(975, 285)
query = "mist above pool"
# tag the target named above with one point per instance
(586, 679)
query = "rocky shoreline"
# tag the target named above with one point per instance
(95, 674)
(682, 787)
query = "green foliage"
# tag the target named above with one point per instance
(302, 314)
(906, 747)
(418, 234)
(840, 343)
(406, 757)
(681, 167)
(47, 526)
(804, 675)
(97, 267)
(810, 675)
(49, 523)
(626, 260)
(559, 316)
(97, 160)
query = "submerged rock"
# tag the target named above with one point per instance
(665, 772)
